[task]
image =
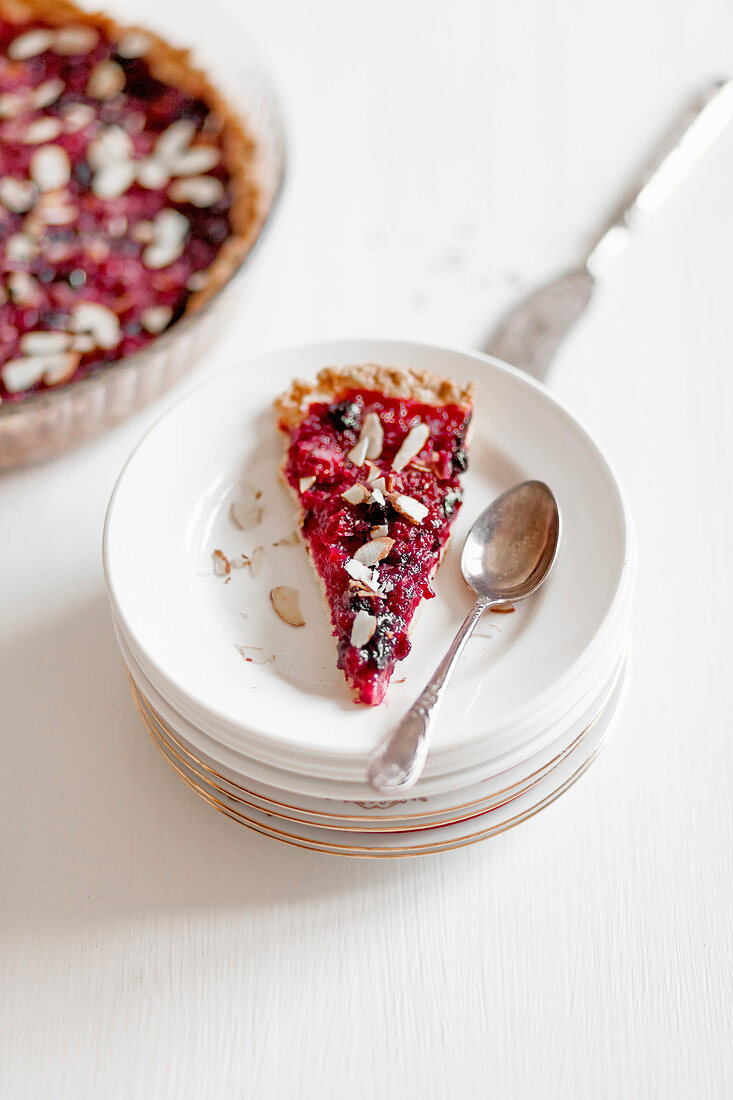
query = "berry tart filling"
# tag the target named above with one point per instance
(125, 197)
(375, 464)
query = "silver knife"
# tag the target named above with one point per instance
(530, 334)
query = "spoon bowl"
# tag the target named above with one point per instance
(508, 553)
(512, 545)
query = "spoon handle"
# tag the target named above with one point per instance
(398, 762)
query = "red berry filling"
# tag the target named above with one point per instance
(339, 531)
(114, 192)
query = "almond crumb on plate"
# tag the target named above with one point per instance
(222, 565)
(246, 515)
(286, 602)
(254, 654)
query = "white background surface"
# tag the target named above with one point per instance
(445, 159)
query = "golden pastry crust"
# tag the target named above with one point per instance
(416, 385)
(174, 67)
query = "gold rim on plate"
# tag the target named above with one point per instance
(488, 804)
(364, 852)
(330, 848)
(203, 771)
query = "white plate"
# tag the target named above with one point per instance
(433, 839)
(289, 786)
(484, 759)
(170, 510)
(366, 815)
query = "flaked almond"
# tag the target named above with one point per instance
(134, 44)
(194, 161)
(286, 602)
(222, 565)
(97, 320)
(362, 573)
(20, 248)
(17, 195)
(60, 368)
(143, 232)
(106, 80)
(357, 454)
(375, 550)
(305, 483)
(411, 446)
(74, 40)
(83, 343)
(249, 493)
(175, 139)
(44, 343)
(21, 374)
(379, 532)
(197, 281)
(293, 539)
(369, 444)
(50, 167)
(41, 130)
(246, 514)
(155, 318)
(11, 105)
(30, 44)
(157, 255)
(152, 173)
(408, 507)
(169, 231)
(355, 494)
(56, 214)
(47, 93)
(255, 654)
(377, 497)
(362, 628)
(113, 180)
(379, 484)
(372, 427)
(257, 560)
(170, 225)
(24, 289)
(78, 116)
(112, 146)
(201, 191)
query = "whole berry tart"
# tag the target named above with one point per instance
(374, 460)
(126, 195)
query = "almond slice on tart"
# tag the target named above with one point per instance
(374, 459)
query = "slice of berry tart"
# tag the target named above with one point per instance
(126, 196)
(374, 459)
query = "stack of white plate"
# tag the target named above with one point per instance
(253, 713)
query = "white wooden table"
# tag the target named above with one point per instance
(445, 158)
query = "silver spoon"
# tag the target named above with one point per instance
(508, 553)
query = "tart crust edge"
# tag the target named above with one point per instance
(416, 385)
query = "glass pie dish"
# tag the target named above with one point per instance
(49, 421)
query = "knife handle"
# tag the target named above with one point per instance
(703, 121)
